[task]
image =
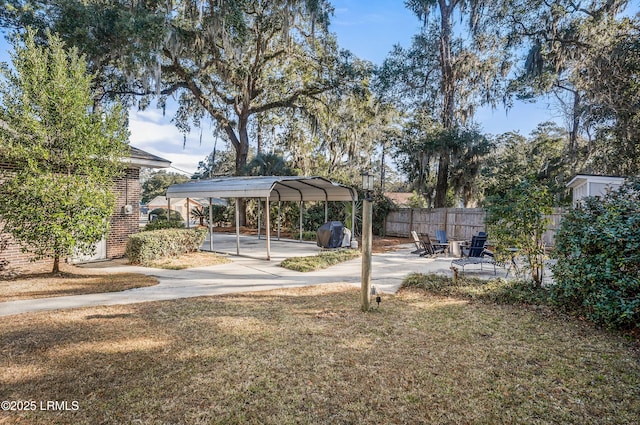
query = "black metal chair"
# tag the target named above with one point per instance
(476, 248)
(476, 253)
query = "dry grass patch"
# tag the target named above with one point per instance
(190, 260)
(310, 356)
(320, 261)
(72, 281)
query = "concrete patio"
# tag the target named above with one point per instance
(250, 272)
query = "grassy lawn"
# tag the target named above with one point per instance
(319, 261)
(191, 259)
(310, 356)
(77, 280)
(74, 281)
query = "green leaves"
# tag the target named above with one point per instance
(146, 247)
(517, 220)
(57, 200)
(598, 270)
(158, 182)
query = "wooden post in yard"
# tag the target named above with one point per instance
(367, 209)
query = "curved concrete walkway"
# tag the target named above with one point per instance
(245, 274)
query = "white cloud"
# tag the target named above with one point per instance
(154, 132)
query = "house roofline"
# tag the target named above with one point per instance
(579, 178)
(143, 159)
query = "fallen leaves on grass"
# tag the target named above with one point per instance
(310, 356)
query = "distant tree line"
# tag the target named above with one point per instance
(283, 97)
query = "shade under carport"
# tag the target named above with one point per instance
(269, 188)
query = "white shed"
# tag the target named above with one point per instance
(584, 185)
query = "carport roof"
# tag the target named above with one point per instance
(276, 188)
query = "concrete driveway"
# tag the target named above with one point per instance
(247, 273)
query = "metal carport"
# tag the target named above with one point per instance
(268, 188)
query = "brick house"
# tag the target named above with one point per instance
(123, 222)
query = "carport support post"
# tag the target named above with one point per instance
(259, 214)
(268, 227)
(326, 210)
(301, 206)
(237, 226)
(279, 202)
(211, 224)
(353, 218)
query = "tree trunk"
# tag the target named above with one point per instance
(446, 66)
(242, 153)
(448, 101)
(56, 265)
(573, 134)
(442, 184)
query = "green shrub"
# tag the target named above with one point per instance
(320, 261)
(516, 219)
(145, 247)
(161, 214)
(4, 243)
(164, 224)
(309, 235)
(382, 205)
(220, 213)
(498, 291)
(598, 250)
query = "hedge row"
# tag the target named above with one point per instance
(146, 247)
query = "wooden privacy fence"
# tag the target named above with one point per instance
(459, 223)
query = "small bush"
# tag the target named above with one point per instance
(498, 291)
(517, 219)
(146, 247)
(164, 224)
(309, 235)
(161, 214)
(221, 214)
(320, 261)
(598, 250)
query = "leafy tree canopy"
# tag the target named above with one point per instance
(583, 55)
(158, 182)
(538, 158)
(419, 150)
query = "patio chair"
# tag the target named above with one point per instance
(476, 247)
(476, 254)
(431, 248)
(441, 236)
(424, 246)
(443, 242)
(420, 247)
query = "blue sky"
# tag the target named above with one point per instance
(369, 28)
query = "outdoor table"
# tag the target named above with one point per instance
(454, 248)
